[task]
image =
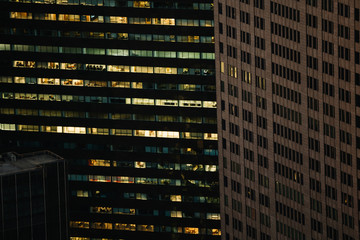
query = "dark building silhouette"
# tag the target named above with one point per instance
(288, 95)
(33, 190)
(125, 90)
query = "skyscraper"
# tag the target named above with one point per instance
(125, 90)
(288, 118)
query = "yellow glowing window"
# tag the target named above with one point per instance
(82, 193)
(210, 136)
(122, 179)
(106, 210)
(120, 84)
(99, 162)
(21, 15)
(209, 104)
(176, 214)
(101, 225)
(118, 68)
(79, 224)
(165, 70)
(145, 228)
(191, 230)
(115, 19)
(125, 226)
(49, 81)
(72, 82)
(175, 198)
(139, 164)
(25, 64)
(192, 135)
(144, 133)
(99, 178)
(122, 132)
(141, 4)
(216, 231)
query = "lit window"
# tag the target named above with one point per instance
(115, 19)
(145, 228)
(143, 101)
(99, 162)
(140, 164)
(189, 103)
(210, 136)
(209, 104)
(191, 230)
(79, 224)
(166, 102)
(175, 198)
(101, 225)
(125, 226)
(176, 214)
(141, 4)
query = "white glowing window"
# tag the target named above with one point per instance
(175, 198)
(143, 101)
(209, 104)
(118, 68)
(49, 81)
(76, 130)
(213, 216)
(189, 103)
(7, 127)
(165, 70)
(168, 134)
(167, 102)
(210, 136)
(210, 168)
(176, 214)
(122, 132)
(118, 52)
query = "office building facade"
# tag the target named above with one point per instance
(288, 118)
(125, 90)
(34, 200)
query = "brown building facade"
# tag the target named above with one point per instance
(288, 118)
